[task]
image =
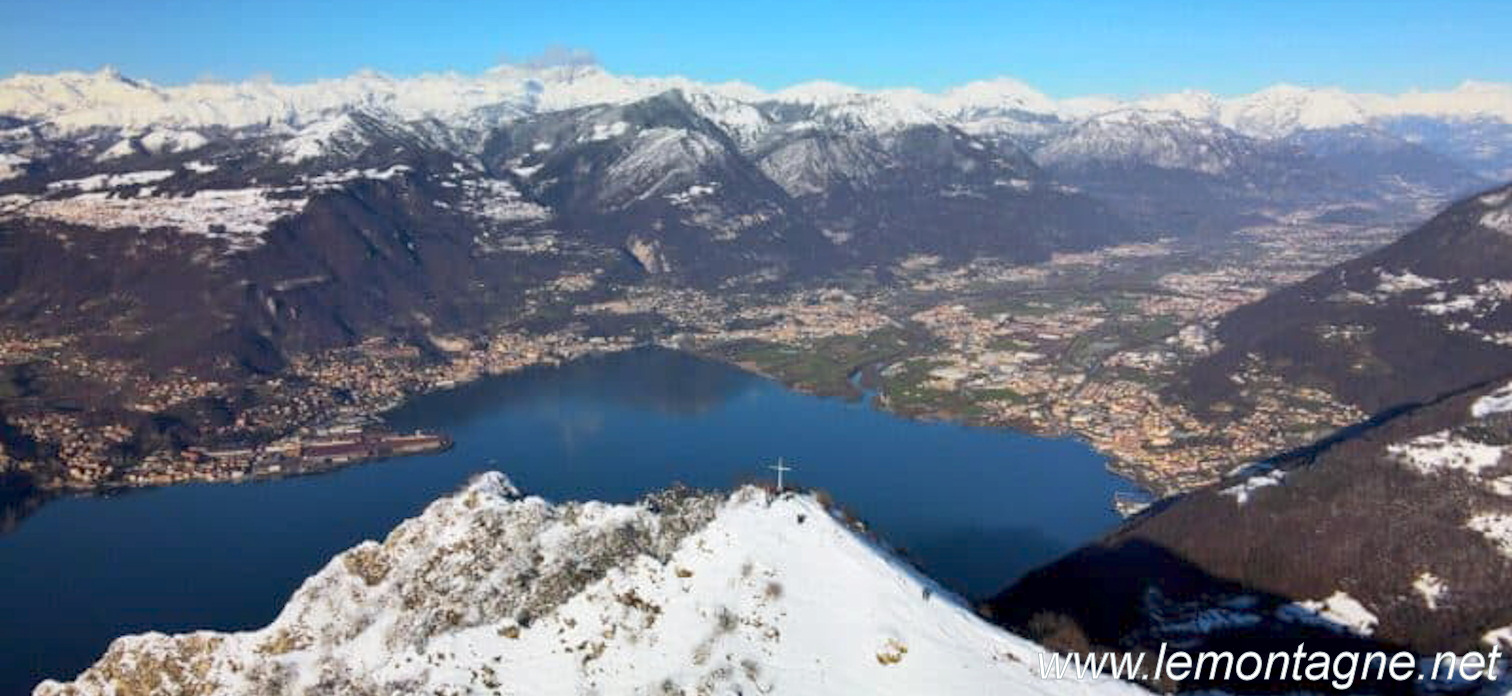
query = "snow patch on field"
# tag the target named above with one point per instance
(1500, 636)
(1406, 281)
(1499, 220)
(330, 180)
(1487, 297)
(748, 593)
(13, 202)
(168, 140)
(1338, 610)
(1499, 401)
(121, 148)
(1445, 451)
(1496, 527)
(693, 193)
(238, 216)
(1242, 491)
(499, 201)
(605, 131)
(105, 182)
(1431, 588)
(12, 166)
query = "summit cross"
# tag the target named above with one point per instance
(779, 468)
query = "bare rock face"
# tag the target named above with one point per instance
(682, 592)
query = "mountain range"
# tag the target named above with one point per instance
(304, 216)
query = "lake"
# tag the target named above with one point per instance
(976, 507)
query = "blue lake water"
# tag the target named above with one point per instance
(975, 507)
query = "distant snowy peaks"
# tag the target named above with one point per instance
(1139, 136)
(1192, 104)
(1003, 93)
(819, 93)
(1284, 109)
(76, 100)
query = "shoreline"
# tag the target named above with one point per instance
(1143, 485)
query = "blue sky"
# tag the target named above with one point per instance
(1126, 47)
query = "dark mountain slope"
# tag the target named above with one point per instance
(663, 183)
(1391, 517)
(879, 195)
(1412, 321)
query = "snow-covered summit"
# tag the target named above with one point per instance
(1284, 109)
(1159, 138)
(75, 100)
(491, 592)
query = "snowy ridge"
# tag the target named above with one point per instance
(1165, 139)
(75, 100)
(491, 592)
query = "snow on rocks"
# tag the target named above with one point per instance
(1338, 610)
(487, 590)
(239, 216)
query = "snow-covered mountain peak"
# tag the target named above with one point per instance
(1193, 104)
(818, 93)
(1284, 109)
(680, 592)
(1160, 138)
(1470, 100)
(1001, 93)
(77, 100)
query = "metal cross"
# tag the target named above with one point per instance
(779, 468)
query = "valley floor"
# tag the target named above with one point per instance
(1084, 345)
